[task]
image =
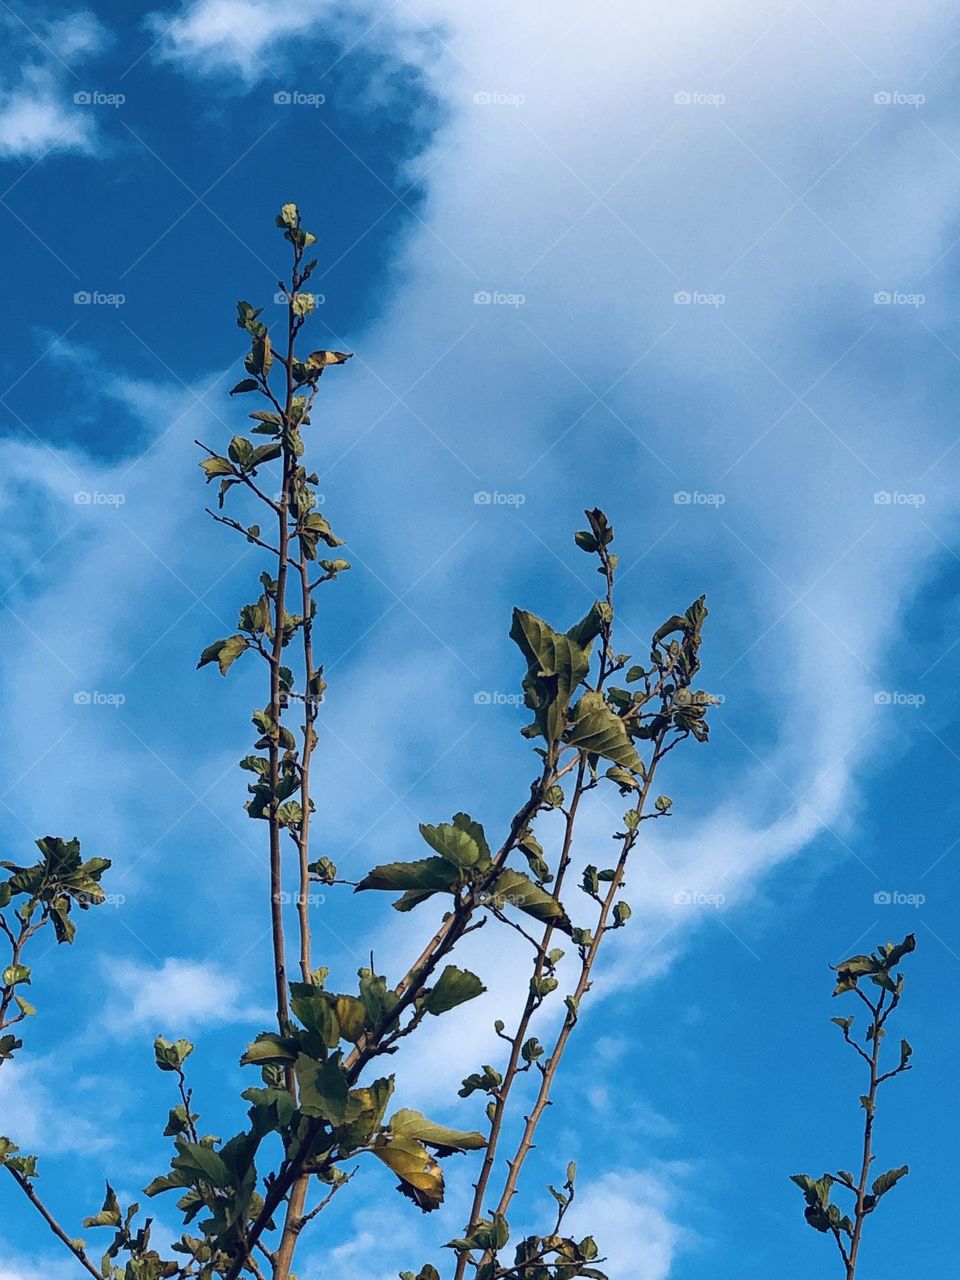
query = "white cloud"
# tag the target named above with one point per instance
(80, 33)
(236, 35)
(35, 119)
(38, 114)
(47, 1118)
(631, 1214)
(17, 1267)
(174, 998)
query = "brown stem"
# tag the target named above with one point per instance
(859, 1214)
(417, 976)
(283, 1258)
(531, 1005)
(553, 1061)
(17, 943)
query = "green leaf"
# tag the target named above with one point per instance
(9, 1044)
(244, 385)
(201, 1164)
(532, 1049)
(171, 1057)
(896, 953)
(224, 652)
(889, 1179)
(588, 628)
(270, 1048)
(420, 1176)
(109, 1215)
(459, 843)
(411, 1124)
(323, 1088)
(624, 780)
(455, 986)
(320, 360)
(514, 888)
(216, 466)
(428, 875)
(13, 974)
(599, 731)
(315, 1010)
(556, 665)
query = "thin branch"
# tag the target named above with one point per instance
(80, 1255)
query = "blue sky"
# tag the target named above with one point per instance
(722, 251)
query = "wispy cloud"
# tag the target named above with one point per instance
(173, 998)
(38, 111)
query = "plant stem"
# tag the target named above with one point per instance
(24, 1185)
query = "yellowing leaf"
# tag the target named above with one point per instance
(421, 1178)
